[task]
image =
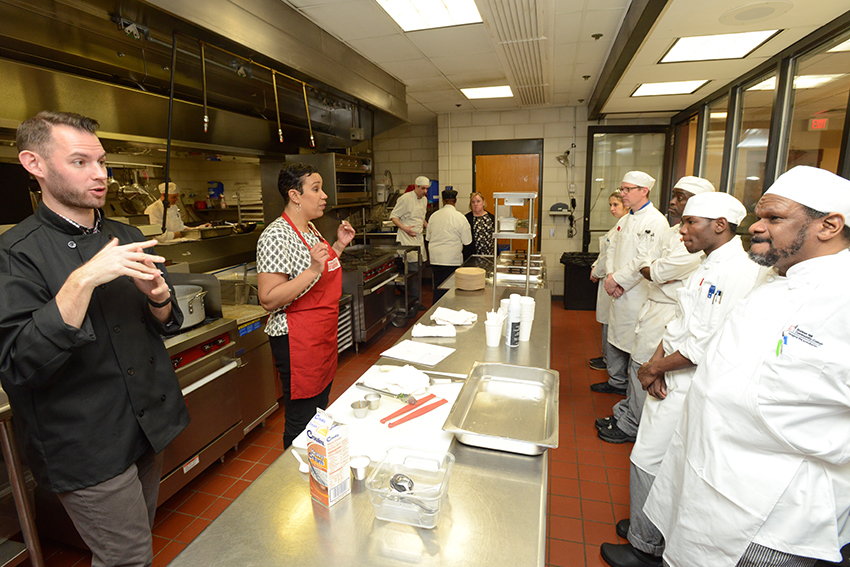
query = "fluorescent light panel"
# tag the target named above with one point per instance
(800, 82)
(488, 92)
(673, 88)
(414, 15)
(717, 115)
(715, 47)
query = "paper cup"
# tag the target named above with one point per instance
(524, 330)
(493, 332)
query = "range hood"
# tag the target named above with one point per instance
(111, 61)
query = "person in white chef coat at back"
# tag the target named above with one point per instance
(174, 226)
(758, 469)
(724, 276)
(635, 237)
(409, 216)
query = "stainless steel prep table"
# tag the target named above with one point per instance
(495, 513)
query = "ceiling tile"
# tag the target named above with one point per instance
(438, 83)
(448, 95)
(593, 51)
(478, 79)
(466, 63)
(412, 69)
(567, 27)
(387, 48)
(352, 20)
(606, 22)
(565, 54)
(448, 42)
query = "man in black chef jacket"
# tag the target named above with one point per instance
(93, 393)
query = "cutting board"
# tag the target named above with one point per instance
(368, 436)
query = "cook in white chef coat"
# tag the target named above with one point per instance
(636, 234)
(409, 216)
(174, 226)
(665, 268)
(724, 276)
(758, 468)
(597, 275)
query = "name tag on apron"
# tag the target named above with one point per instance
(333, 264)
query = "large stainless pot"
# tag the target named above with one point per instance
(190, 298)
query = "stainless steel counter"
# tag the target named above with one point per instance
(495, 513)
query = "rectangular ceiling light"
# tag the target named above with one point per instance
(488, 92)
(673, 88)
(800, 82)
(414, 15)
(716, 47)
(843, 46)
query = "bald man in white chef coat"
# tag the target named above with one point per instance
(724, 276)
(758, 469)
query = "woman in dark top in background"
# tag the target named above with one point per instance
(483, 224)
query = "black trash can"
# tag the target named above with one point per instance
(579, 291)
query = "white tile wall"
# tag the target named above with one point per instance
(408, 151)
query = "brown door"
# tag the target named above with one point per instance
(512, 173)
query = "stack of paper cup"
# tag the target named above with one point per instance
(526, 317)
(503, 308)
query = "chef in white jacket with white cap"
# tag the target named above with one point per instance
(174, 226)
(725, 275)
(635, 238)
(758, 469)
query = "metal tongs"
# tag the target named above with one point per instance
(406, 398)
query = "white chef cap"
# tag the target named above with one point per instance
(639, 178)
(422, 180)
(715, 206)
(815, 188)
(695, 185)
(172, 189)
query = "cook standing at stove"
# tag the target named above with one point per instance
(299, 280)
(84, 303)
(409, 216)
(174, 226)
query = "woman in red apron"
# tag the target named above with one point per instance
(300, 282)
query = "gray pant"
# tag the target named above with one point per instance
(115, 517)
(414, 294)
(628, 411)
(618, 366)
(642, 532)
(605, 343)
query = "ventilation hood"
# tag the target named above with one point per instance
(112, 61)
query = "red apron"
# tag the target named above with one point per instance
(313, 321)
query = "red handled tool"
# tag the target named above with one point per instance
(418, 412)
(405, 409)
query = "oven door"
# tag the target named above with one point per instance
(378, 304)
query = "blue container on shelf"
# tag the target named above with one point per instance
(434, 191)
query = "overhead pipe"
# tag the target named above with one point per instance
(277, 107)
(170, 119)
(307, 108)
(204, 80)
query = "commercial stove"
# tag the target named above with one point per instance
(368, 275)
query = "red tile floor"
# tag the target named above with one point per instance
(588, 479)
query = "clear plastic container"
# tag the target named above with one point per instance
(428, 470)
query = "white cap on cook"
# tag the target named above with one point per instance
(172, 188)
(695, 185)
(715, 206)
(422, 180)
(639, 178)
(815, 188)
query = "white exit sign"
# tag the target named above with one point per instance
(818, 123)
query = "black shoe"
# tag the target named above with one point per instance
(603, 422)
(597, 363)
(613, 434)
(623, 528)
(421, 307)
(606, 388)
(626, 555)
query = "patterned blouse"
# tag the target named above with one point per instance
(280, 251)
(482, 234)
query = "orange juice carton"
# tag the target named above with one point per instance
(327, 453)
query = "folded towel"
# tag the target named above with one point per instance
(443, 316)
(420, 330)
(399, 380)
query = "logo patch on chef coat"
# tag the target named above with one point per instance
(333, 264)
(795, 332)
